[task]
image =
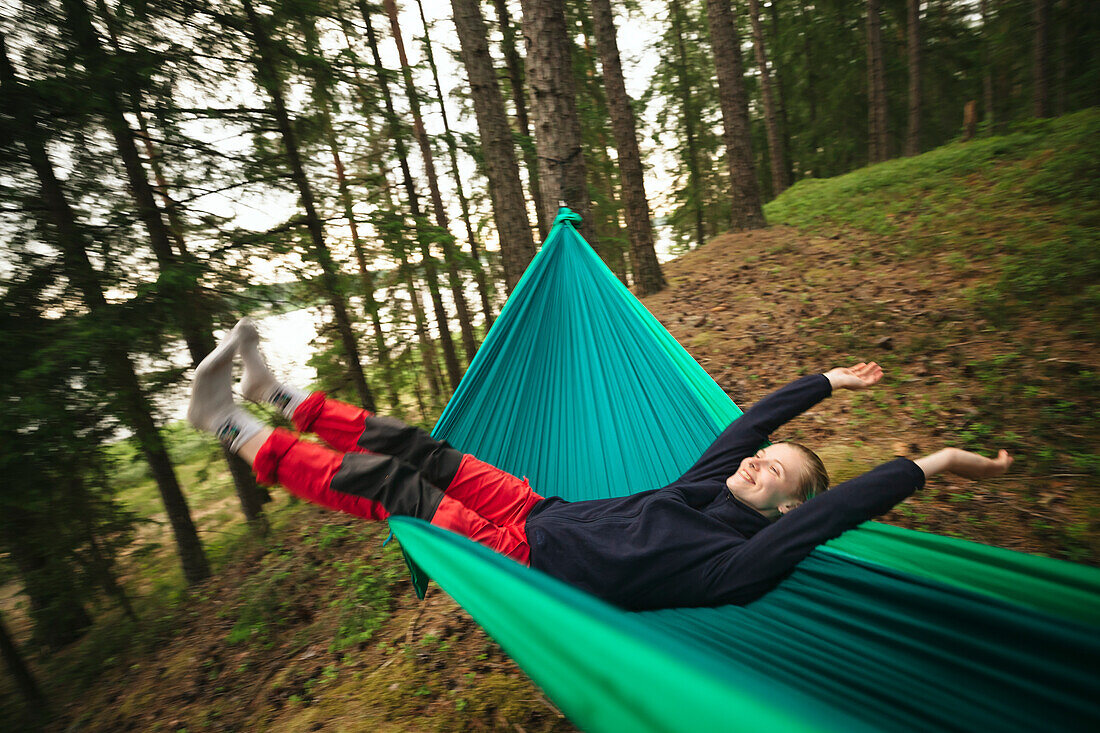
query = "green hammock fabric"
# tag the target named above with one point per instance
(580, 389)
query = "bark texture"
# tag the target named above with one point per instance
(562, 169)
(746, 211)
(517, 247)
(514, 63)
(643, 258)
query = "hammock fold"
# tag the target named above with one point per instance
(579, 388)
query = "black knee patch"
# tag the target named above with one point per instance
(394, 484)
(435, 459)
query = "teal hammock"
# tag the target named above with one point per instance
(579, 388)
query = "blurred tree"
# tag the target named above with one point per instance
(442, 234)
(102, 332)
(777, 154)
(269, 79)
(109, 84)
(878, 135)
(391, 223)
(323, 80)
(912, 135)
(452, 153)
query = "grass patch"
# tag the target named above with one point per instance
(1025, 206)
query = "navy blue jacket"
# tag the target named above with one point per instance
(692, 543)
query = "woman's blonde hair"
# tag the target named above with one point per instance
(814, 479)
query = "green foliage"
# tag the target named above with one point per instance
(268, 598)
(366, 599)
(1026, 202)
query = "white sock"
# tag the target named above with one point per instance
(258, 383)
(236, 428)
(212, 408)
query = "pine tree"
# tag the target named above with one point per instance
(59, 218)
(746, 211)
(463, 202)
(878, 141)
(777, 155)
(516, 75)
(517, 248)
(643, 259)
(912, 138)
(269, 79)
(442, 232)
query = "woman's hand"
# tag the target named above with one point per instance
(860, 376)
(964, 463)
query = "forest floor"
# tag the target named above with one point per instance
(953, 284)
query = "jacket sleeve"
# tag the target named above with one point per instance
(755, 567)
(751, 430)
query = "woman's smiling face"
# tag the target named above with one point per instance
(769, 481)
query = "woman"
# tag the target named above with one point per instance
(727, 531)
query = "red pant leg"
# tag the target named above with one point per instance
(337, 423)
(492, 492)
(306, 470)
(508, 540)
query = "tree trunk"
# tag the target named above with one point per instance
(687, 105)
(912, 139)
(134, 405)
(269, 79)
(1040, 66)
(19, 670)
(562, 170)
(643, 259)
(780, 94)
(324, 102)
(454, 371)
(464, 204)
(423, 229)
(427, 349)
(987, 68)
(56, 609)
(517, 248)
(776, 154)
(1061, 23)
(514, 64)
(876, 87)
(190, 312)
(812, 79)
(746, 211)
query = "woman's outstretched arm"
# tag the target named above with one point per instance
(749, 431)
(964, 463)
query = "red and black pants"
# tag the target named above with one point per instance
(378, 466)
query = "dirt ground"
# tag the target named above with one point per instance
(756, 310)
